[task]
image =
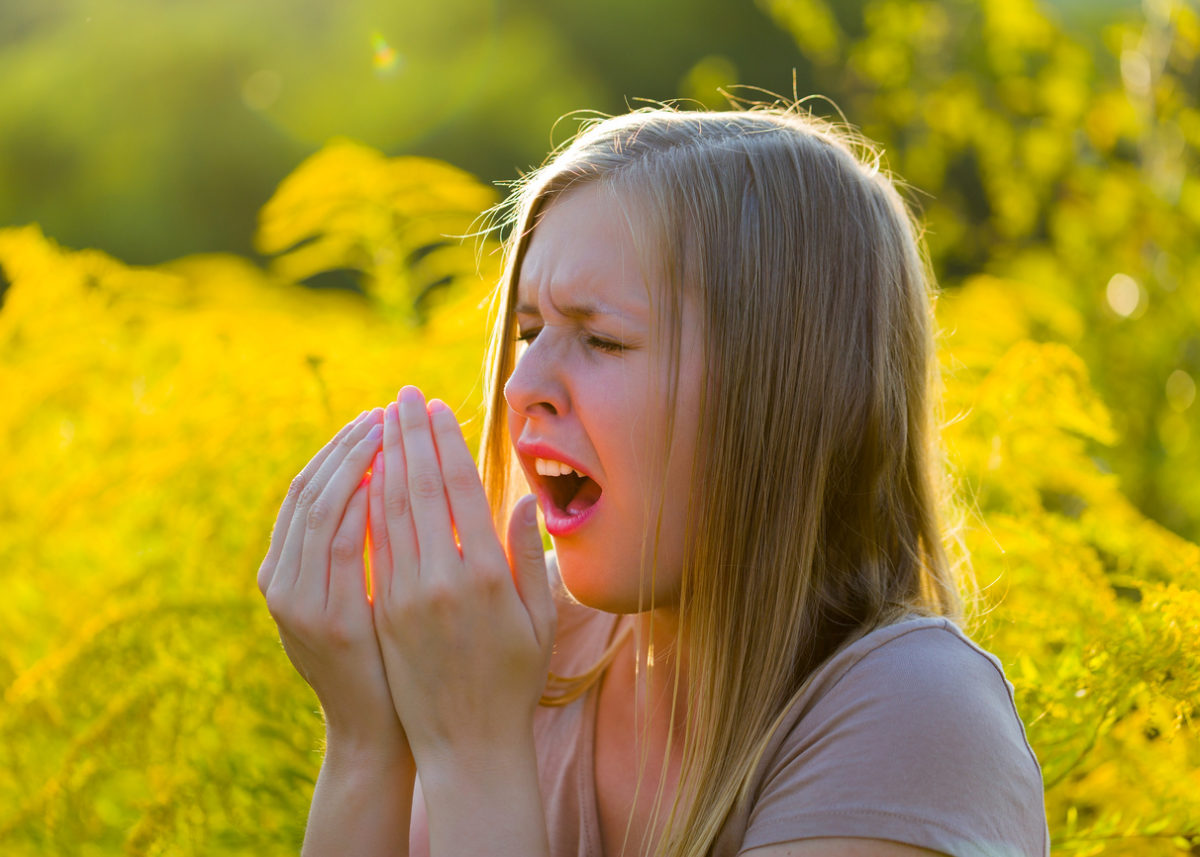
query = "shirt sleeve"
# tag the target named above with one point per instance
(916, 741)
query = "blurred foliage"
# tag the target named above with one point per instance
(153, 416)
(151, 129)
(1073, 171)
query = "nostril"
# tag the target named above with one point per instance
(535, 388)
(528, 402)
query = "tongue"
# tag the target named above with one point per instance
(585, 497)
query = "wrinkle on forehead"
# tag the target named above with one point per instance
(588, 278)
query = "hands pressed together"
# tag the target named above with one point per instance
(442, 661)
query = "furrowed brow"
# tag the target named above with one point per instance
(581, 312)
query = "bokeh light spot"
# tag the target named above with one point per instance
(1181, 390)
(262, 89)
(384, 58)
(1135, 71)
(1124, 294)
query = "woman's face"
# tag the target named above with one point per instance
(590, 393)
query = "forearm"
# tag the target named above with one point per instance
(362, 804)
(488, 804)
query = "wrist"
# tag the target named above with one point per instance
(500, 783)
(380, 754)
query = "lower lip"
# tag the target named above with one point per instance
(559, 523)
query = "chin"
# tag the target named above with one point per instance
(603, 587)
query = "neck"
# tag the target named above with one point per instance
(654, 659)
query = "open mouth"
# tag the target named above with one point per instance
(571, 493)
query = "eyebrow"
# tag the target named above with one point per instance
(583, 311)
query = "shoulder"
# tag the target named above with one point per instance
(927, 674)
(909, 734)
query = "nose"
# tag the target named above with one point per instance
(535, 387)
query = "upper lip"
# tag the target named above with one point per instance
(531, 449)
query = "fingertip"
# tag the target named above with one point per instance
(528, 511)
(437, 406)
(523, 527)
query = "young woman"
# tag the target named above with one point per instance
(713, 364)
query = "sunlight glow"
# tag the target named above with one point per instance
(1124, 294)
(262, 89)
(384, 57)
(1181, 391)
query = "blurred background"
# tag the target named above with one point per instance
(225, 228)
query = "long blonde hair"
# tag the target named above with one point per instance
(818, 446)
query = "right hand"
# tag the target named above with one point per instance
(314, 581)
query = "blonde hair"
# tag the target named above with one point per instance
(818, 445)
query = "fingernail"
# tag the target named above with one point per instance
(376, 432)
(530, 511)
(436, 406)
(392, 413)
(410, 394)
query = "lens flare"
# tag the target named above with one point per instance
(384, 58)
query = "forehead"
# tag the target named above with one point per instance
(583, 251)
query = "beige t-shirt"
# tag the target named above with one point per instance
(908, 734)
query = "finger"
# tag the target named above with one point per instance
(279, 533)
(528, 562)
(308, 510)
(347, 573)
(426, 491)
(397, 508)
(380, 550)
(326, 514)
(469, 506)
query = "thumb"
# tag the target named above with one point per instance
(528, 562)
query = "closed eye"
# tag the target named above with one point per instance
(606, 345)
(599, 343)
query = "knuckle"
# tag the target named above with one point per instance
(343, 550)
(318, 514)
(265, 572)
(297, 485)
(490, 584)
(279, 607)
(396, 504)
(426, 485)
(339, 634)
(441, 596)
(309, 492)
(462, 478)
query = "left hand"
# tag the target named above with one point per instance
(466, 651)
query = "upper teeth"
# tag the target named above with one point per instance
(549, 467)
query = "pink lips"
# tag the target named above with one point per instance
(559, 523)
